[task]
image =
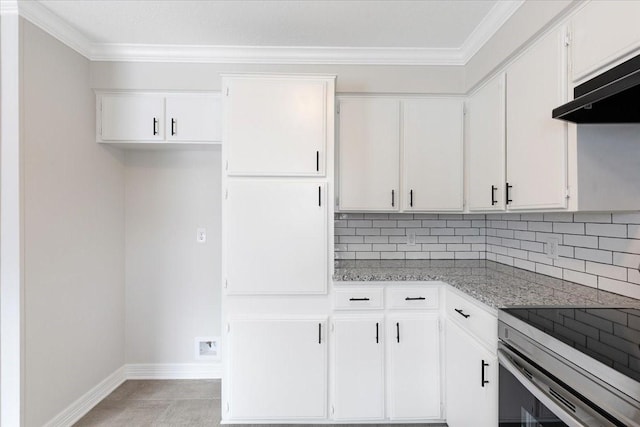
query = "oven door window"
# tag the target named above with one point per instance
(520, 408)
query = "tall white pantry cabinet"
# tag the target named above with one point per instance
(277, 239)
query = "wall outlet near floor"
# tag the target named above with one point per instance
(411, 238)
(207, 348)
(551, 248)
(201, 235)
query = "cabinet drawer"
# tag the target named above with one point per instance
(480, 323)
(414, 297)
(358, 299)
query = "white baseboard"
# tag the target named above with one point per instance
(173, 371)
(84, 404)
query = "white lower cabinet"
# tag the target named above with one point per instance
(359, 368)
(278, 369)
(471, 380)
(414, 366)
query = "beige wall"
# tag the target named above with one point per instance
(351, 78)
(172, 281)
(73, 232)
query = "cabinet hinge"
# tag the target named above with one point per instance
(226, 165)
(228, 328)
(227, 406)
(227, 93)
(567, 39)
(226, 283)
(333, 326)
(464, 110)
(338, 108)
(333, 410)
(226, 194)
(567, 192)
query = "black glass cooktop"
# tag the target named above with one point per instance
(610, 335)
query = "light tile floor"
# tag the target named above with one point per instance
(164, 403)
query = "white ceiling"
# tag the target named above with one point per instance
(452, 29)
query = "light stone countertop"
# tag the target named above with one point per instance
(496, 285)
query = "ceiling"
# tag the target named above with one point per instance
(449, 31)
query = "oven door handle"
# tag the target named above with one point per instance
(505, 357)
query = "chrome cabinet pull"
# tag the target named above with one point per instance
(461, 313)
(155, 126)
(484, 365)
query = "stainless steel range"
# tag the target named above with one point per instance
(569, 366)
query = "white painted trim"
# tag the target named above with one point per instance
(275, 55)
(173, 371)
(60, 29)
(85, 403)
(42, 17)
(11, 270)
(8, 6)
(492, 22)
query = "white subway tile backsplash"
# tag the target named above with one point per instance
(592, 217)
(568, 227)
(620, 245)
(541, 226)
(570, 263)
(606, 270)
(368, 231)
(582, 278)
(619, 287)
(531, 246)
(611, 230)
(594, 255)
(626, 218)
(549, 270)
(582, 241)
(526, 265)
(442, 231)
(626, 260)
(595, 249)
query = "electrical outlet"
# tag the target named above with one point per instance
(551, 248)
(411, 238)
(207, 347)
(201, 235)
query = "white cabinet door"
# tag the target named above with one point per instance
(602, 32)
(414, 366)
(432, 152)
(358, 368)
(278, 368)
(470, 401)
(194, 117)
(276, 234)
(132, 117)
(369, 154)
(486, 146)
(536, 143)
(275, 126)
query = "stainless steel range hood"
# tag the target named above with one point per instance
(611, 97)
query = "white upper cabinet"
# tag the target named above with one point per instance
(130, 117)
(276, 125)
(276, 237)
(373, 133)
(432, 154)
(536, 143)
(369, 154)
(601, 33)
(193, 117)
(485, 139)
(278, 368)
(150, 117)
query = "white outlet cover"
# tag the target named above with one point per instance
(201, 235)
(551, 248)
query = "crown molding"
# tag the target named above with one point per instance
(48, 21)
(42, 17)
(497, 16)
(275, 55)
